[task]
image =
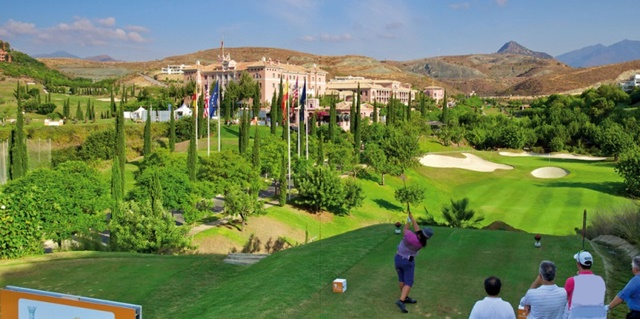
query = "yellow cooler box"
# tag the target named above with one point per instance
(339, 285)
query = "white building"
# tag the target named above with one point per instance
(633, 83)
(174, 69)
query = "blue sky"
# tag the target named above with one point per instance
(143, 30)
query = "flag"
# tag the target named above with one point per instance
(303, 99)
(213, 101)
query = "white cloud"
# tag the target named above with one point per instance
(308, 38)
(82, 32)
(335, 38)
(107, 22)
(461, 6)
(13, 28)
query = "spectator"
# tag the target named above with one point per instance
(544, 299)
(492, 306)
(585, 291)
(630, 293)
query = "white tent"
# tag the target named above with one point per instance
(183, 110)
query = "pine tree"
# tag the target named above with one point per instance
(79, 115)
(146, 149)
(423, 106)
(120, 145)
(117, 193)
(172, 131)
(352, 115)
(192, 155)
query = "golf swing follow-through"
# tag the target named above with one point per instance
(411, 243)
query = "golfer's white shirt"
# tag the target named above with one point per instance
(492, 308)
(546, 301)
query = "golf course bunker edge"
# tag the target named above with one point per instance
(549, 172)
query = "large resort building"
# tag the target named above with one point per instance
(380, 91)
(266, 72)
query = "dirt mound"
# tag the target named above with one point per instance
(500, 225)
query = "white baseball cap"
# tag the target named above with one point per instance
(584, 258)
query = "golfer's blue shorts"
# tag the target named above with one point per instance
(405, 269)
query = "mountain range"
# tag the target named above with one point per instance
(513, 47)
(65, 54)
(595, 55)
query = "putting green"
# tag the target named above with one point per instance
(548, 206)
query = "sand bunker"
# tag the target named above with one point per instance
(558, 155)
(549, 172)
(470, 162)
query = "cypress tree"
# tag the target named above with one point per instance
(172, 131)
(256, 149)
(357, 139)
(93, 112)
(117, 193)
(155, 193)
(352, 115)
(332, 120)
(192, 155)
(375, 112)
(423, 106)
(282, 181)
(280, 100)
(444, 116)
(312, 125)
(18, 157)
(320, 159)
(202, 128)
(66, 109)
(247, 131)
(241, 133)
(256, 102)
(120, 145)
(274, 113)
(113, 103)
(88, 111)
(409, 108)
(79, 115)
(146, 149)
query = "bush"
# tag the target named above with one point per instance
(623, 222)
(46, 108)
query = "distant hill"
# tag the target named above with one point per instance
(101, 58)
(67, 55)
(57, 54)
(595, 55)
(513, 47)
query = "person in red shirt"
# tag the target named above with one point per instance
(585, 291)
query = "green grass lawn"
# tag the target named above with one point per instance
(296, 283)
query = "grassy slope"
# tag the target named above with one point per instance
(297, 282)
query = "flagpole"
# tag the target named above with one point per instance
(298, 114)
(289, 150)
(208, 120)
(306, 130)
(218, 111)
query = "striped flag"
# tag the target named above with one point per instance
(284, 103)
(205, 111)
(303, 99)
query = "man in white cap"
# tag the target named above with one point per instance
(585, 291)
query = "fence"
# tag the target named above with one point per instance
(38, 153)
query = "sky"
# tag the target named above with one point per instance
(145, 30)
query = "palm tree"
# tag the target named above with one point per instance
(460, 216)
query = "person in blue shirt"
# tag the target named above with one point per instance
(631, 292)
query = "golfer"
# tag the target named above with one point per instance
(630, 293)
(411, 243)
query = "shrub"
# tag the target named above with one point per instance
(46, 108)
(623, 222)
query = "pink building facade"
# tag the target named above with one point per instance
(371, 91)
(266, 72)
(435, 92)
